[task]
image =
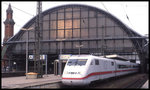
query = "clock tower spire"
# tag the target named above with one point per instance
(9, 24)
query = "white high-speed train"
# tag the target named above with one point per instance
(83, 69)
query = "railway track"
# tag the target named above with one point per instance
(137, 83)
(123, 82)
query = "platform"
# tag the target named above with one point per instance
(22, 82)
(146, 85)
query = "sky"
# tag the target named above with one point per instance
(137, 12)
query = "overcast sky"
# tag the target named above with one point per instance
(136, 11)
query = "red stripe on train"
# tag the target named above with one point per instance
(99, 73)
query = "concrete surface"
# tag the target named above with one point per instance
(21, 81)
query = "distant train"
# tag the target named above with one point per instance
(83, 69)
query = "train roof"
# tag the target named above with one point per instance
(81, 55)
(116, 57)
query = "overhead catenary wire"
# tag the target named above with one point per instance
(16, 24)
(104, 6)
(123, 10)
(19, 9)
(127, 15)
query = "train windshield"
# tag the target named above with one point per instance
(77, 62)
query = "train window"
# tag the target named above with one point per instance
(122, 66)
(135, 66)
(77, 62)
(129, 66)
(112, 63)
(81, 61)
(72, 62)
(96, 62)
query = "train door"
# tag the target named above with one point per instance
(97, 68)
(115, 70)
(112, 68)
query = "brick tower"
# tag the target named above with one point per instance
(9, 31)
(9, 24)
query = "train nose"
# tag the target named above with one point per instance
(74, 82)
(71, 82)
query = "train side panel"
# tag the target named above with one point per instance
(123, 68)
(93, 70)
(101, 69)
(108, 68)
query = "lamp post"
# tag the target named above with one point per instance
(60, 46)
(60, 53)
(25, 29)
(15, 66)
(79, 46)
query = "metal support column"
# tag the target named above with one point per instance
(38, 68)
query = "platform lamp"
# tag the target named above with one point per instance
(27, 29)
(79, 46)
(60, 54)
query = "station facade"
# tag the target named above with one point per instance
(66, 27)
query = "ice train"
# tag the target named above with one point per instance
(83, 69)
